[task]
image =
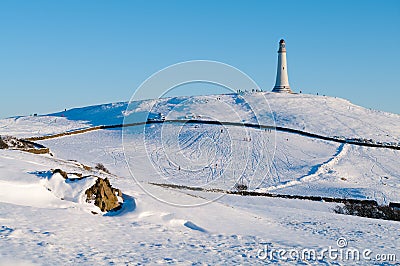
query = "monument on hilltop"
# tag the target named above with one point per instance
(282, 79)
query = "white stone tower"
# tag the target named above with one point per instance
(282, 80)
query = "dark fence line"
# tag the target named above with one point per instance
(209, 122)
(273, 195)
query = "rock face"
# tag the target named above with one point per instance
(9, 142)
(3, 145)
(15, 143)
(104, 195)
(61, 172)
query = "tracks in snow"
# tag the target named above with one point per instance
(237, 124)
(317, 170)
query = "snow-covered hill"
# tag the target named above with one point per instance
(322, 115)
(37, 225)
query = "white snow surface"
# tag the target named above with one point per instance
(327, 116)
(46, 221)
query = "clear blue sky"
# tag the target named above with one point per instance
(63, 54)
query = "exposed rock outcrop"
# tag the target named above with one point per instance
(77, 187)
(15, 143)
(61, 172)
(101, 167)
(9, 142)
(104, 195)
(3, 145)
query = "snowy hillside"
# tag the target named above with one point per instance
(41, 226)
(323, 115)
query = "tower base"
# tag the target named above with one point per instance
(282, 89)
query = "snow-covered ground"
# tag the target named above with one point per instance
(323, 115)
(39, 226)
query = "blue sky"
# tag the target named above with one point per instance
(63, 54)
